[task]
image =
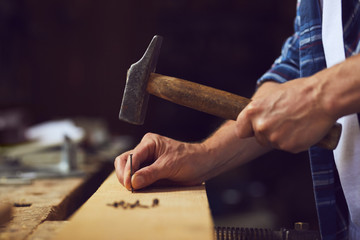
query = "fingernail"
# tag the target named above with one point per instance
(138, 181)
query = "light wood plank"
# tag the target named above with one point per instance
(46, 230)
(182, 213)
(47, 199)
(35, 203)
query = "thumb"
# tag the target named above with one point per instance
(146, 176)
(244, 127)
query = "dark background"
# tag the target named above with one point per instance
(68, 58)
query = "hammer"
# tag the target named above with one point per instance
(142, 81)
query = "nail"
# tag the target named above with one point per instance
(155, 202)
(131, 173)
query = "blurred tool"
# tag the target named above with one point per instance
(12, 126)
(142, 80)
(59, 161)
(56, 149)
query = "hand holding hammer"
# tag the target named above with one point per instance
(142, 81)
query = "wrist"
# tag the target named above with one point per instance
(340, 86)
(319, 95)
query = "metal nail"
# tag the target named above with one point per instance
(131, 173)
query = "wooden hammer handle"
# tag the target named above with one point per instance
(214, 101)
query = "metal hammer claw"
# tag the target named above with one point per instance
(142, 81)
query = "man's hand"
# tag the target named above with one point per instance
(288, 116)
(164, 158)
(161, 158)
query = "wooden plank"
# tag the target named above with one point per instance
(34, 203)
(182, 213)
(47, 230)
(47, 199)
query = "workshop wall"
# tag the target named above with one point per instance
(68, 58)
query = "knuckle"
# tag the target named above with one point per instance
(275, 140)
(150, 136)
(247, 114)
(151, 139)
(249, 111)
(261, 126)
(253, 108)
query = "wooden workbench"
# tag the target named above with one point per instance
(181, 213)
(39, 208)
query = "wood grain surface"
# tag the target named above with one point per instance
(182, 213)
(35, 203)
(46, 200)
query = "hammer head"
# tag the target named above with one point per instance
(135, 98)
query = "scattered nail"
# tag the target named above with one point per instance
(155, 202)
(125, 205)
(16, 204)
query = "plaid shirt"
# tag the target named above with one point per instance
(302, 56)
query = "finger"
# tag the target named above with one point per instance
(261, 132)
(127, 172)
(244, 127)
(119, 164)
(143, 152)
(148, 175)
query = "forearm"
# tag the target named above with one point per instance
(228, 151)
(225, 143)
(338, 88)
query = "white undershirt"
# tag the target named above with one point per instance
(347, 153)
